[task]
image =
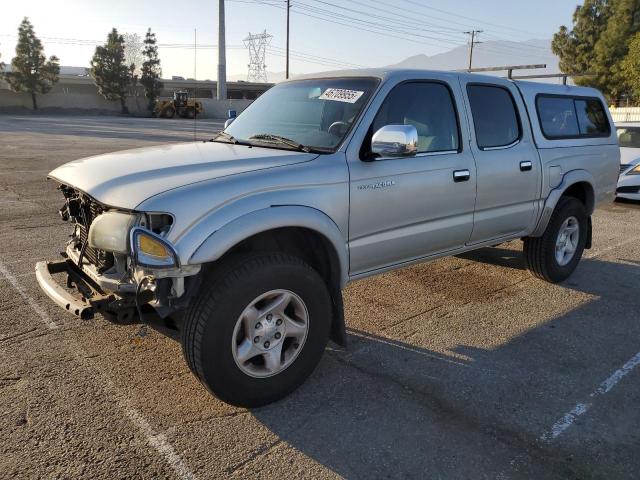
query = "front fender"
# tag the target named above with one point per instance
(232, 233)
(570, 178)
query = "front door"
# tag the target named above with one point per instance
(406, 208)
(507, 162)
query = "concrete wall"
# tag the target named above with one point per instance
(625, 114)
(84, 98)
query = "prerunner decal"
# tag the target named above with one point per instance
(341, 95)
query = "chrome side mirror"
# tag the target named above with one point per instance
(229, 122)
(395, 141)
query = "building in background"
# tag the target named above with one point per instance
(77, 91)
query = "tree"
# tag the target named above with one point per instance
(151, 71)
(631, 67)
(133, 52)
(110, 70)
(31, 72)
(598, 42)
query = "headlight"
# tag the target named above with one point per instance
(152, 251)
(110, 230)
(634, 171)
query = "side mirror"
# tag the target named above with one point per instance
(395, 141)
(229, 122)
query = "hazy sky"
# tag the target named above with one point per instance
(428, 26)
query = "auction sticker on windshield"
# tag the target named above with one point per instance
(341, 95)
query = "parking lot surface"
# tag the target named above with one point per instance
(466, 367)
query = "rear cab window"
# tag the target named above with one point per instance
(495, 116)
(565, 116)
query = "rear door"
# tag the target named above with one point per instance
(507, 162)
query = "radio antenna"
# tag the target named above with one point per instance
(195, 78)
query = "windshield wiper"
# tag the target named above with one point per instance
(226, 136)
(270, 138)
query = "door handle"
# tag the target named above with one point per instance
(461, 175)
(526, 165)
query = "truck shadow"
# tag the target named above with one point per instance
(386, 408)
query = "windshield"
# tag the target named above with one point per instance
(629, 137)
(308, 114)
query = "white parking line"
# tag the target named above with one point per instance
(157, 440)
(27, 298)
(567, 420)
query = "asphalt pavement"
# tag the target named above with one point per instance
(466, 367)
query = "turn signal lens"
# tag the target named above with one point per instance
(635, 170)
(151, 251)
(152, 247)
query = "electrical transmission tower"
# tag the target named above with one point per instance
(257, 45)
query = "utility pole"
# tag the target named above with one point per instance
(222, 62)
(287, 69)
(474, 35)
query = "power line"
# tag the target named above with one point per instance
(365, 26)
(402, 21)
(401, 28)
(302, 56)
(475, 20)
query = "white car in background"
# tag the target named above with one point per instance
(629, 140)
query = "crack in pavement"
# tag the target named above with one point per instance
(256, 455)
(9, 337)
(509, 438)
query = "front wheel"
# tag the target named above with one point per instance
(555, 255)
(258, 328)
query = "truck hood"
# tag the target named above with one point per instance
(127, 178)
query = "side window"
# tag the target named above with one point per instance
(429, 107)
(591, 117)
(495, 117)
(557, 117)
(571, 117)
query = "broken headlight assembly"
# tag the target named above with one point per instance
(150, 250)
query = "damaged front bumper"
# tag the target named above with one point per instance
(92, 298)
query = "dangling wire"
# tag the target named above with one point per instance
(143, 282)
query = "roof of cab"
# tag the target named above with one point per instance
(406, 73)
(394, 73)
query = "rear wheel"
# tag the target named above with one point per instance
(555, 255)
(169, 112)
(258, 328)
(190, 113)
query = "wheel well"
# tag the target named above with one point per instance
(583, 191)
(316, 250)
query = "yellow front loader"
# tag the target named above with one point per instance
(180, 105)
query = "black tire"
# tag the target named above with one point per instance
(190, 113)
(209, 326)
(539, 252)
(169, 112)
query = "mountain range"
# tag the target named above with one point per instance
(486, 54)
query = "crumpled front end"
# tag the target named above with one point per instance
(117, 261)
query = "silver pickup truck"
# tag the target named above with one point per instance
(245, 242)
